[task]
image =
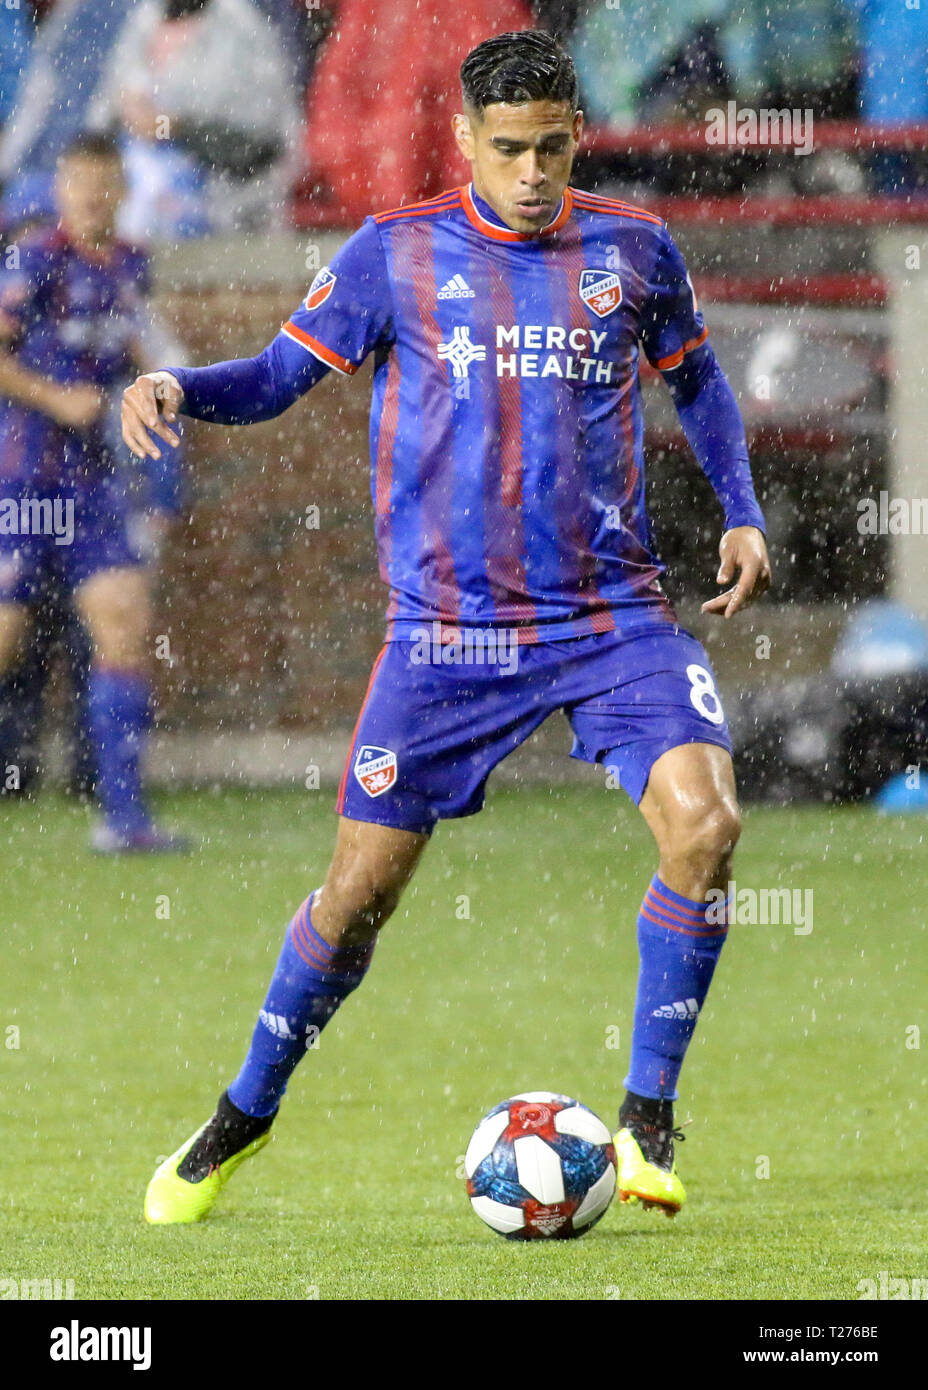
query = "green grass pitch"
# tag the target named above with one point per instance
(130, 1023)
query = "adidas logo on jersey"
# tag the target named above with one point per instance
(276, 1025)
(680, 1008)
(456, 288)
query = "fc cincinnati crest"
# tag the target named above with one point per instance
(375, 769)
(321, 288)
(601, 291)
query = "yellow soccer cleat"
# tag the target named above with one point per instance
(186, 1185)
(647, 1172)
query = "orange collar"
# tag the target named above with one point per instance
(490, 229)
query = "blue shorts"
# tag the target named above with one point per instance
(429, 734)
(61, 537)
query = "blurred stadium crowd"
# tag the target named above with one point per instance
(231, 110)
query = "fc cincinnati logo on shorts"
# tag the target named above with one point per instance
(601, 291)
(375, 769)
(321, 288)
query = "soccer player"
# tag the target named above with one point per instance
(72, 323)
(505, 318)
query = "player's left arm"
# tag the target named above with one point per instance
(713, 426)
(675, 339)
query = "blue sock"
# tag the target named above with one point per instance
(119, 717)
(678, 952)
(310, 982)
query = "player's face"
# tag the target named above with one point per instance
(89, 192)
(521, 157)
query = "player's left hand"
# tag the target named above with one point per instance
(743, 551)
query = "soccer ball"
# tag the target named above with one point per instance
(540, 1166)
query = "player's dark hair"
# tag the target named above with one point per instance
(93, 144)
(518, 67)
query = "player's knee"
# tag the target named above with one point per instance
(121, 649)
(118, 617)
(119, 637)
(708, 834)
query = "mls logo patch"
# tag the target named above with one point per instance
(321, 288)
(601, 291)
(375, 769)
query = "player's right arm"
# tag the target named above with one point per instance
(345, 315)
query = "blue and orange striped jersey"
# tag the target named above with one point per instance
(506, 424)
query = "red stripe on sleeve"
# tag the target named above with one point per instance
(326, 355)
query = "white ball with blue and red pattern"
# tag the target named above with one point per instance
(540, 1166)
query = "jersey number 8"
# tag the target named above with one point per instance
(702, 689)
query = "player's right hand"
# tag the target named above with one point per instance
(76, 407)
(151, 403)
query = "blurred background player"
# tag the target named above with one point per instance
(514, 507)
(57, 639)
(28, 205)
(70, 315)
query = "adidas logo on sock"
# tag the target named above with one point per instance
(680, 1008)
(456, 288)
(277, 1025)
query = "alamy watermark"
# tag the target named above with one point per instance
(85, 1343)
(38, 516)
(440, 645)
(750, 907)
(736, 125)
(892, 516)
(888, 1288)
(36, 1288)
